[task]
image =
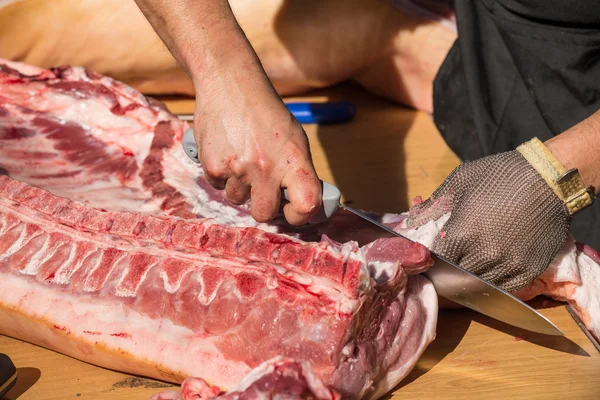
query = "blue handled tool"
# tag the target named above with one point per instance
(323, 113)
(313, 113)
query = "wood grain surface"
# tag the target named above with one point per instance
(380, 160)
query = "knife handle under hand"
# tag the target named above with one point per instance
(330, 194)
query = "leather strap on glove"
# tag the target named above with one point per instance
(510, 214)
(566, 184)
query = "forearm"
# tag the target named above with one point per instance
(202, 35)
(579, 147)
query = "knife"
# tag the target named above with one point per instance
(583, 328)
(450, 281)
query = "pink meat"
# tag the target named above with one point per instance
(115, 250)
(170, 298)
(270, 379)
(87, 137)
(573, 276)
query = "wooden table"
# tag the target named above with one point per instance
(382, 159)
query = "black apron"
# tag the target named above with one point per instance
(520, 69)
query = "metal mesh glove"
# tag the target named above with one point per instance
(506, 224)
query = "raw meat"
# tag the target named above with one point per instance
(90, 138)
(115, 250)
(270, 379)
(170, 298)
(573, 276)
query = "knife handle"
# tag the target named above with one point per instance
(330, 199)
(8, 374)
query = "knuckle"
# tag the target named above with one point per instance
(211, 168)
(238, 169)
(306, 208)
(214, 169)
(264, 165)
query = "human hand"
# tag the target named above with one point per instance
(251, 145)
(506, 222)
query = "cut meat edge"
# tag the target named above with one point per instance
(409, 345)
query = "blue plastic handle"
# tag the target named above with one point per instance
(323, 113)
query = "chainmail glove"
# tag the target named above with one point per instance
(507, 222)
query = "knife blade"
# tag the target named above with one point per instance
(342, 223)
(583, 328)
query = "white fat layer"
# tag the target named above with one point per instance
(103, 188)
(94, 115)
(426, 233)
(172, 347)
(586, 296)
(102, 125)
(574, 277)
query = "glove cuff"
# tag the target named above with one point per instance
(566, 184)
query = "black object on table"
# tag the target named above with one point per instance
(8, 374)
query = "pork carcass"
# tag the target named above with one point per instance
(116, 251)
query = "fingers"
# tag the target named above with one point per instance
(304, 193)
(266, 197)
(236, 191)
(218, 184)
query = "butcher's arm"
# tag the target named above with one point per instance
(199, 33)
(579, 147)
(249, 143)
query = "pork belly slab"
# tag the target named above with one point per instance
(172, 298)
(115, 250)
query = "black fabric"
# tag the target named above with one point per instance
(510, 77)
(558, 13)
